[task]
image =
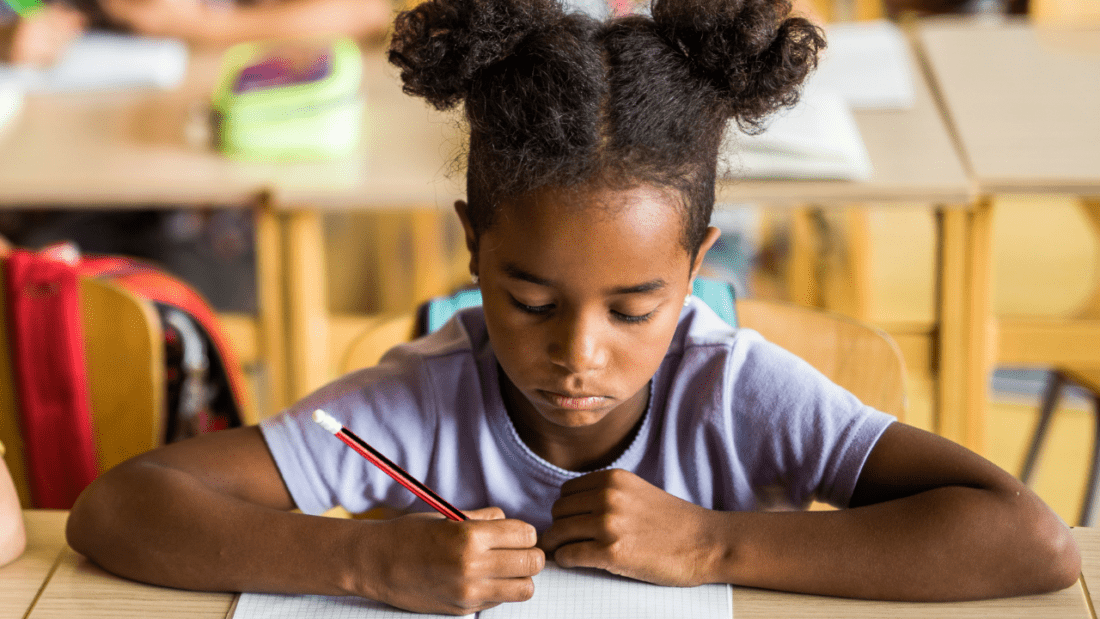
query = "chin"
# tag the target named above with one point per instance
(573, 418)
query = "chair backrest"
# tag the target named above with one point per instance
(124, 348)
(862, 359)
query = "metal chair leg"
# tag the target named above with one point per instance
(1089, 505)
(1050, 403)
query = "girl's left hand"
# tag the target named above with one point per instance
(616, 521)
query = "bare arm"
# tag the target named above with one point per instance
(929, 521)
(196, 21)
(13, 535)
(211, 513)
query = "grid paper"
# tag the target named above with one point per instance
(278, 606)
(583, 594)
(559, 594)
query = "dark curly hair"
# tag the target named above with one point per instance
(563, 100)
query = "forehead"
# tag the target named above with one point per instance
(611, 234)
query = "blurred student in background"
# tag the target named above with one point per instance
(40, 36)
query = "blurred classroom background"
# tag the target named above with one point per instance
(876, 264)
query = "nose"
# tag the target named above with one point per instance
(578, 342)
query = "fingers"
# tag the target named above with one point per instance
(593, 481)
(517, 563)
(583, 554)
(586, 527)
(486, 513)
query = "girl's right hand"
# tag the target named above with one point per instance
(431, 564)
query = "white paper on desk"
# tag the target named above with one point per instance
(11, 101)
(868, 64)
(817, 139)
(583, 594)
(277, 606)
(102, 60)
(559, 593)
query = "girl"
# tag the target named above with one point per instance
(594, 412)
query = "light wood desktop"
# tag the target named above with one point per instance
(1023, 101)
(51, 581)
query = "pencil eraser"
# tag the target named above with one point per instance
(326, 421)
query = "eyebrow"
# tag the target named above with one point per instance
(515, 272)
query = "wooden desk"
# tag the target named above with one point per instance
(69, 586)
(1025, 105)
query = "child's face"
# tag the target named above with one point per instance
(582, 295)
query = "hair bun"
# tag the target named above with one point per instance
(441, 45)
(754, 54)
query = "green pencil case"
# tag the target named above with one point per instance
(289, 100)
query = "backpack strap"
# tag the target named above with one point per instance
(47, 342)
(720, 296)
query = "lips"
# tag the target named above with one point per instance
(574, 402)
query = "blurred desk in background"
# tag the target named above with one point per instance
(142, 148)
(1024, 102)
(149, 148)
(52, 582)
(915, 162)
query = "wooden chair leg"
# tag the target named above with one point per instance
(1046, 412)
(1089, 506)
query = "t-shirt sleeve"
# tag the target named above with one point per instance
(800, 436)
(388, 405)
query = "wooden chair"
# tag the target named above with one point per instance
(858, 357)
(125, 360)
(1072, 366)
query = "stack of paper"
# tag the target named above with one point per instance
(101, 60)
(817, 139)
(11, 101)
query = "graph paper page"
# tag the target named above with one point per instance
(559, 594)
(583, 594)
(276, 606)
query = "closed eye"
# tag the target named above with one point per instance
(632, 319)
(537, 310)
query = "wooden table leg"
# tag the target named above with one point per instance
(272, 317)
(802, 276)
(966, 337)
(307, 303)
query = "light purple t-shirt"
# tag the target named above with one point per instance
(734, 423)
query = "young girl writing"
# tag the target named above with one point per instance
(591, 411)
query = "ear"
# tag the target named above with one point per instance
(708, 241)
(461, 209)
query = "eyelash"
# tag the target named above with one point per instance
(542, 310)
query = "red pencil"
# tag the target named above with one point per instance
(329, 423)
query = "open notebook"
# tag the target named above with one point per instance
(559, 594)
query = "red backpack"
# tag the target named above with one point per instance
(204, 385)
